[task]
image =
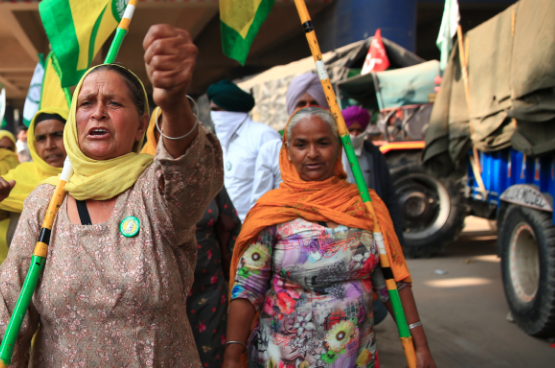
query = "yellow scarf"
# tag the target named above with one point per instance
(29, 174)
(99, 180)
(8, 159)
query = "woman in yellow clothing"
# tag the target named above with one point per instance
(8, 157)
(45, 141)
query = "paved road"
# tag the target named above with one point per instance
(464, 311)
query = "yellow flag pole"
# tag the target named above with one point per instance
(400, 318)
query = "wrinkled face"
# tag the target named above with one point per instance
(108, 123)
(49, 142)
(6, 143)
(313, 149)
(306, 100)
(356, 129)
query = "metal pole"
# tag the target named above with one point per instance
(400, 318)
(41, 248)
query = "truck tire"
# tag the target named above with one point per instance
(527, 243)
(433, 210)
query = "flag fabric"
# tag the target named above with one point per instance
(32, 101)
(52, 93)
(376, 59)
(240, 21)
(77, 29)
(447, 31)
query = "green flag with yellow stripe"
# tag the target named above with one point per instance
(52, 93)
(77, 29)
(240, 21)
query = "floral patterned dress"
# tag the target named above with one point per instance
(313, 288)
(106, 300)
(207, 301)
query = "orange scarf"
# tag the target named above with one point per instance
(333, 199)
(151, 142)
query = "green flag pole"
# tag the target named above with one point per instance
(121, 31)
(40, 253)
(400, 318)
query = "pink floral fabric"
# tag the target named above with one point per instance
(108, 300)
(313, 287)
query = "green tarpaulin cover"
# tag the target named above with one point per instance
(511, 68)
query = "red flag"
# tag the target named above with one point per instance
(376, 60)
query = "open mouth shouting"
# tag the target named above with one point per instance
(98, 133)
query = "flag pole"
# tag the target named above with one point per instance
(40, 253)
(400, 318)
(121, 31)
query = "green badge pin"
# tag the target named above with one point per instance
(130, 226)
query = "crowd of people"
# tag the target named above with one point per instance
(180, 247)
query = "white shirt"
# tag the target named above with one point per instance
(267, 174)
(239, 162)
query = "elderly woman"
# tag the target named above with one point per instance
(46, 146)
(122, 250)
(306, 262)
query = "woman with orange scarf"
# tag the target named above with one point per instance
(305, 265)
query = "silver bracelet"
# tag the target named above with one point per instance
(183, 136)
(414, 325)
(235, 342)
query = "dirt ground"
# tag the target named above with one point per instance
(464, 311)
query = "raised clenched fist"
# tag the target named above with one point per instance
(170, 57)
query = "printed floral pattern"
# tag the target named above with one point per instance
(313, 286)
(207, 302)
(105, 300)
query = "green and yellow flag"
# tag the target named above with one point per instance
(240, 21)
(77, 29)
(52, 93)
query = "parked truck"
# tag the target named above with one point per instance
(508, 117)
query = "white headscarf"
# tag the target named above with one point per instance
(308, 82)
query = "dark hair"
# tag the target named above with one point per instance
(45, 116)
(21, 128)
(132, 82)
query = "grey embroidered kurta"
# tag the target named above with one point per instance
(108, 300)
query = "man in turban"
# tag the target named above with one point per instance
(241, 139)
(304, 90)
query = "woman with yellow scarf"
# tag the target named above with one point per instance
(305, 266)
(122, 248)
(8, 157)
(45, 141)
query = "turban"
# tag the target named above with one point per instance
(308, 82)
(229, 97)
(356, 114)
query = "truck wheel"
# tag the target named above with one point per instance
(527, 244)
(433, 210)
